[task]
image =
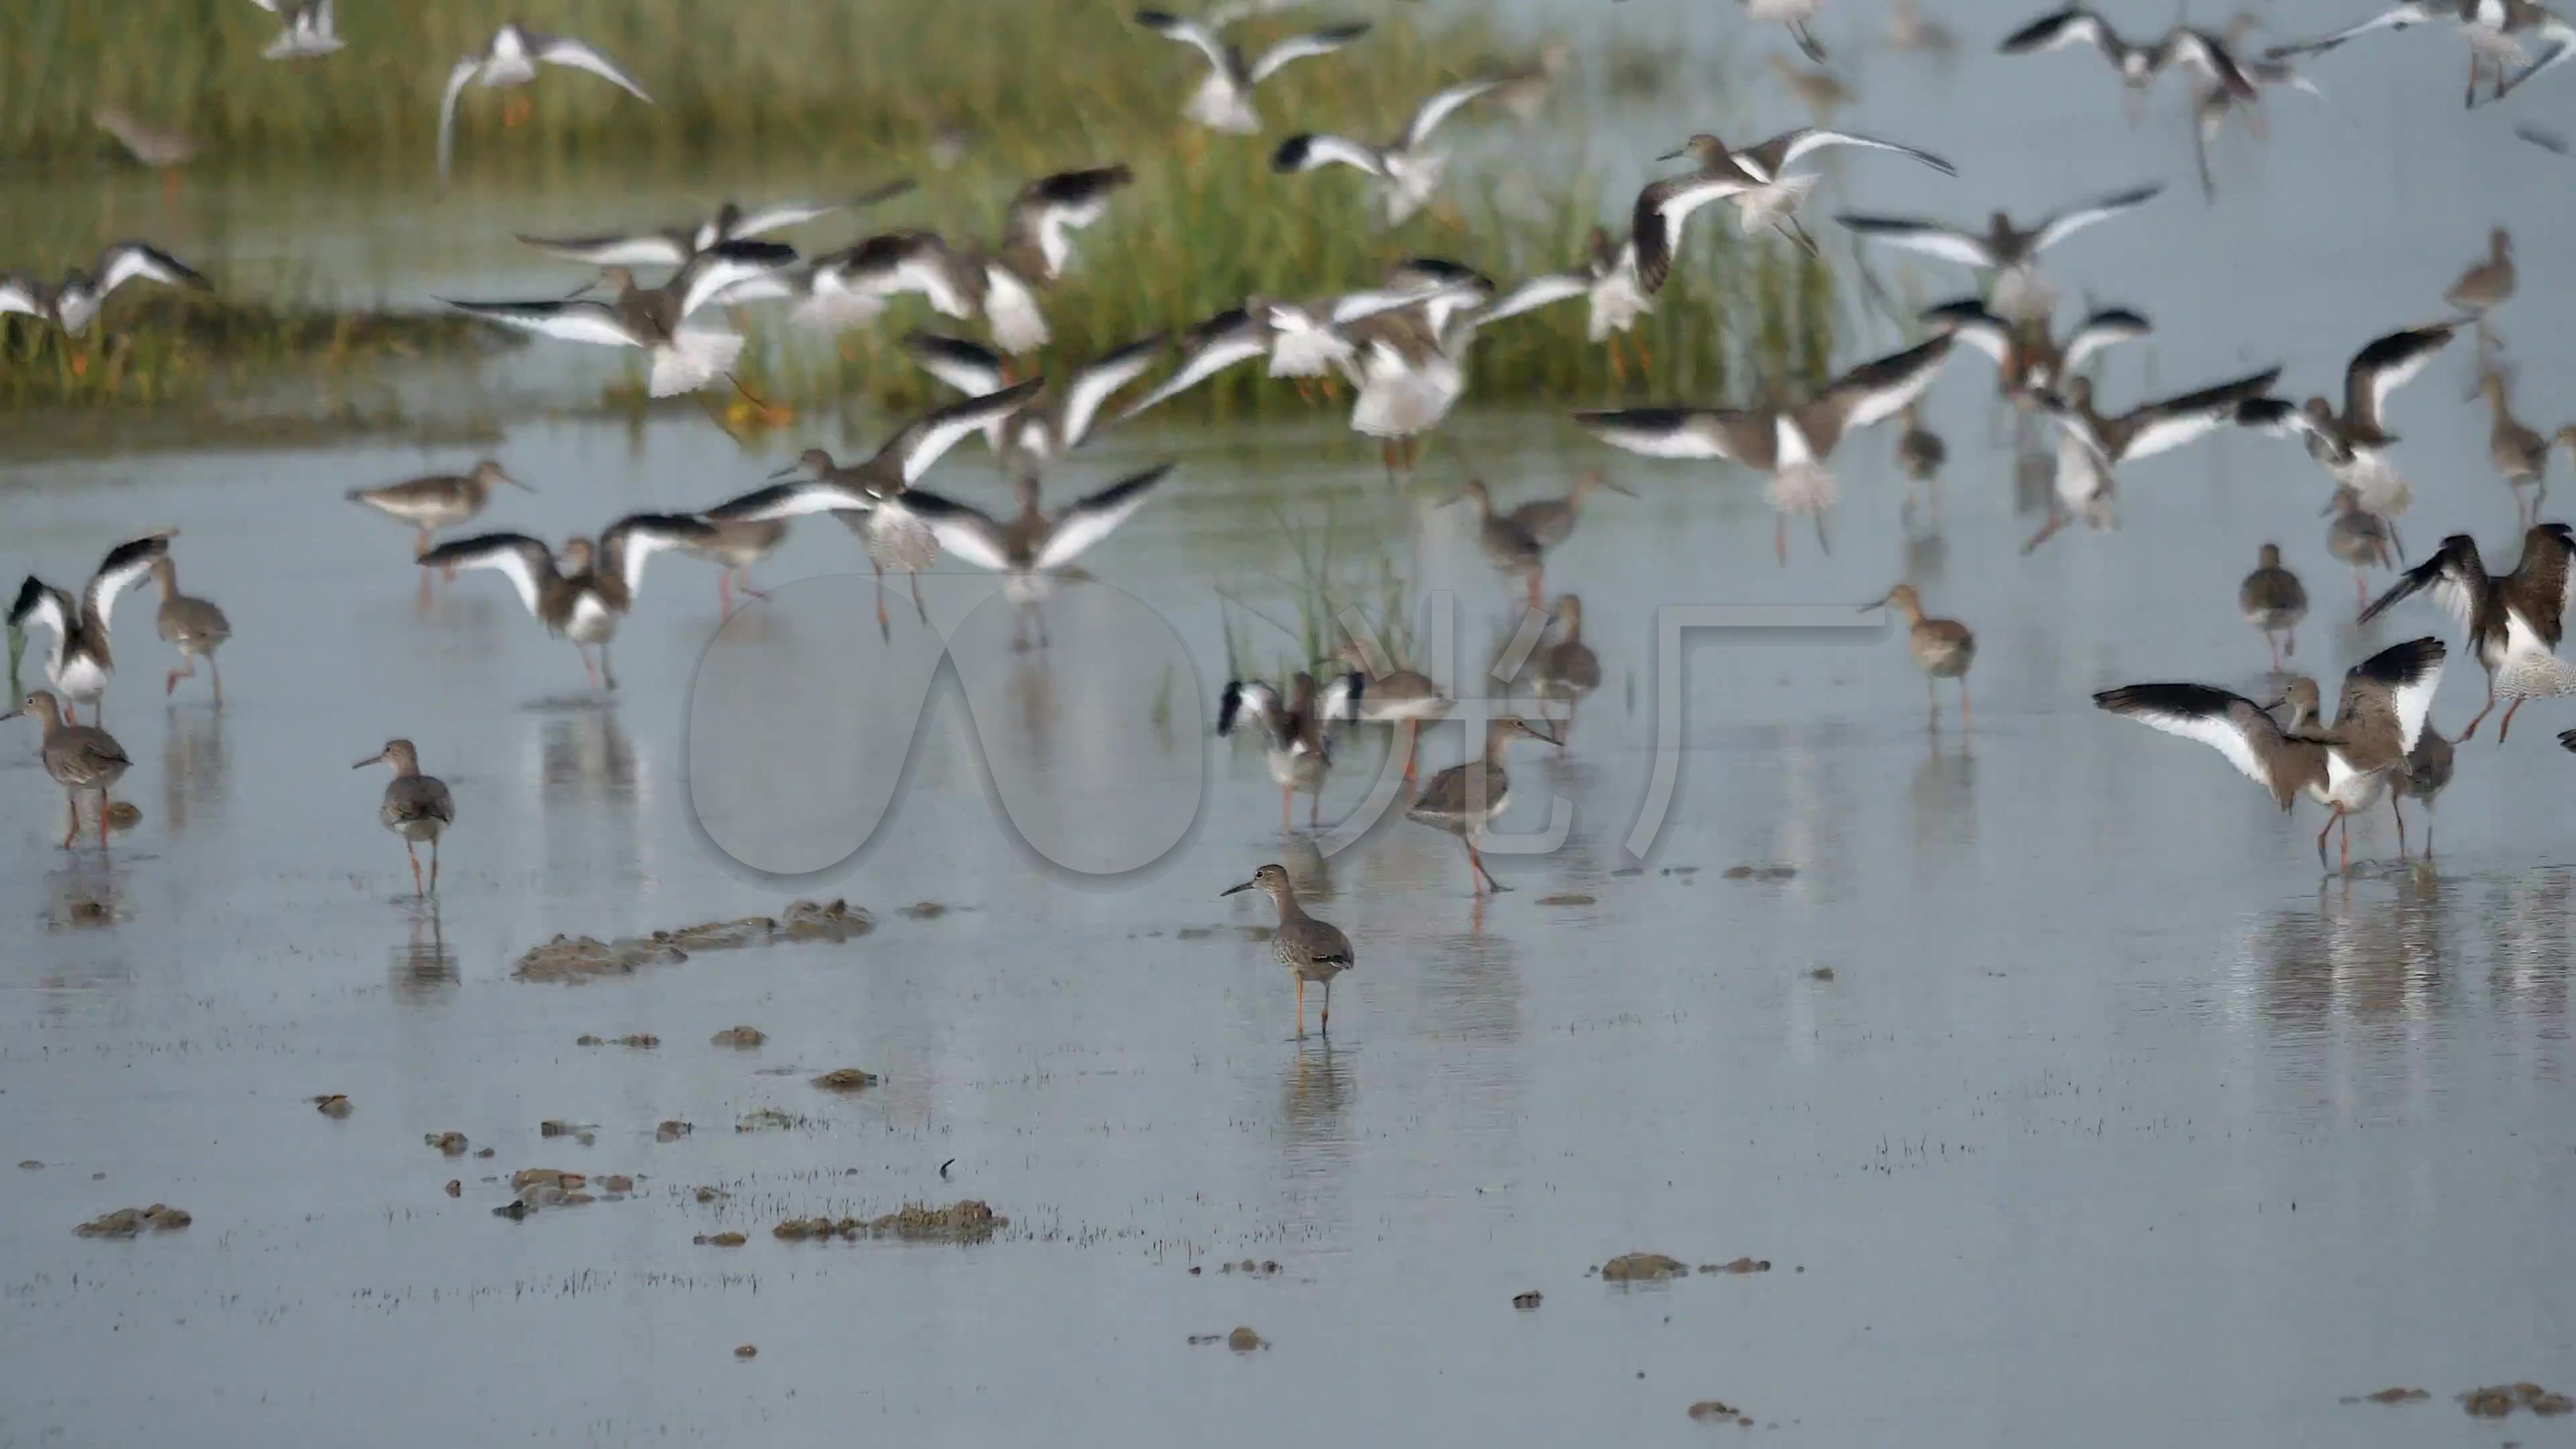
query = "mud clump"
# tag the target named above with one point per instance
(617, 1183)
(2498, 1400)
(528, 1177)
(449, 1144)
(1244, 1340)
(846, 1079)
(748, 1350)
(571, 959)
(720, 1240)
(769, 1119)
(1821, 973)
(1570, 898)
(456, 1187)
(1528, 1301)
(1758, 872)
(741, 1038)
(967, 1221)
(1643, 1268)
(31, 1165)
(132, 1222)
(672, 1130)
(2387, 1396)
(1740, 1265)
(1718, 1411)
(332, 1105)
(924, 911)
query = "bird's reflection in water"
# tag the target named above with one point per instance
(2362, 954)
(1471, 986)
(193, 762)
(1945, 809)
(1031, 691)
(1307, 869)
(1927, 556)
(423, 967)
(2528, 974)
(1314, 1109)
(83, 897)
(587, 757)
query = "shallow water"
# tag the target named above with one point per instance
(2112, 1121)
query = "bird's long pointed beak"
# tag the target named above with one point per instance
(1534, 732)
(375, 759)
(786, 471)
(13, 714)
(1878, 603)
(584, 290)
(1619, 488)
(515, 483)
(1236, 890)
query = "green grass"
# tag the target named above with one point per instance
(855, 91)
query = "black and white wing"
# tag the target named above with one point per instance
(630, 541)
(1298, 47)
(128, 261)
(1656, 222)
(2416, 12)
(19, 293)
(2158, 427)
(1790, 147)
(2386, 365)
(124, 564)
(566, 51)
(644, 249)
(2074, 25)
(459, 76)
(963, 530)
(1311, 149)
(925, 439)
(1667, 432)
(2392, 687)
(1052, 208)
(2452, 575)
(40, 603)
(2231, 724)
(523, 559)
(1968, 320)
(970, 367)
(1340, 700)
(778, 215)
(2074, 219)
(1535, 293)
(1250, 698)
(733, 271)
(1187, 32)
(1207, 349)
(1098, 381)
(2108, 327)
(791, 500)
(1930, 238)
(2536, 590)
(850, 287)
(1095, 517)
(1437, 107)
(1881, 388)
(578, 321)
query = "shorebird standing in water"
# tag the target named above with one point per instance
(78, 757)
(1755, 179)
(2345, 767)
(1296, 736)
(1942, 648)
(1566, 670)
(197, 627)
(1466, 798)
(1312, 950)
(416, 807)
(2514, 622)
(2273, 600)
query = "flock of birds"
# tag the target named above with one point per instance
(1400, 342)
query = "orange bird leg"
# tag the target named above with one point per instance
(1301, 1006)
(1284, 825)
(2471, 732)
(102, 820)
(2505, 726)
(2322, 834)
(71, 819)
(2394, 809)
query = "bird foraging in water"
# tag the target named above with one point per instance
(79, 757)
(1312, 950)
(2514, 622)
(1376, 692)
(197, 627)
(2427, 774)
(1466, 798)
(2346, 767)
(1566, 670)
(1942, 648)
(2273, 600)
(416, 807)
